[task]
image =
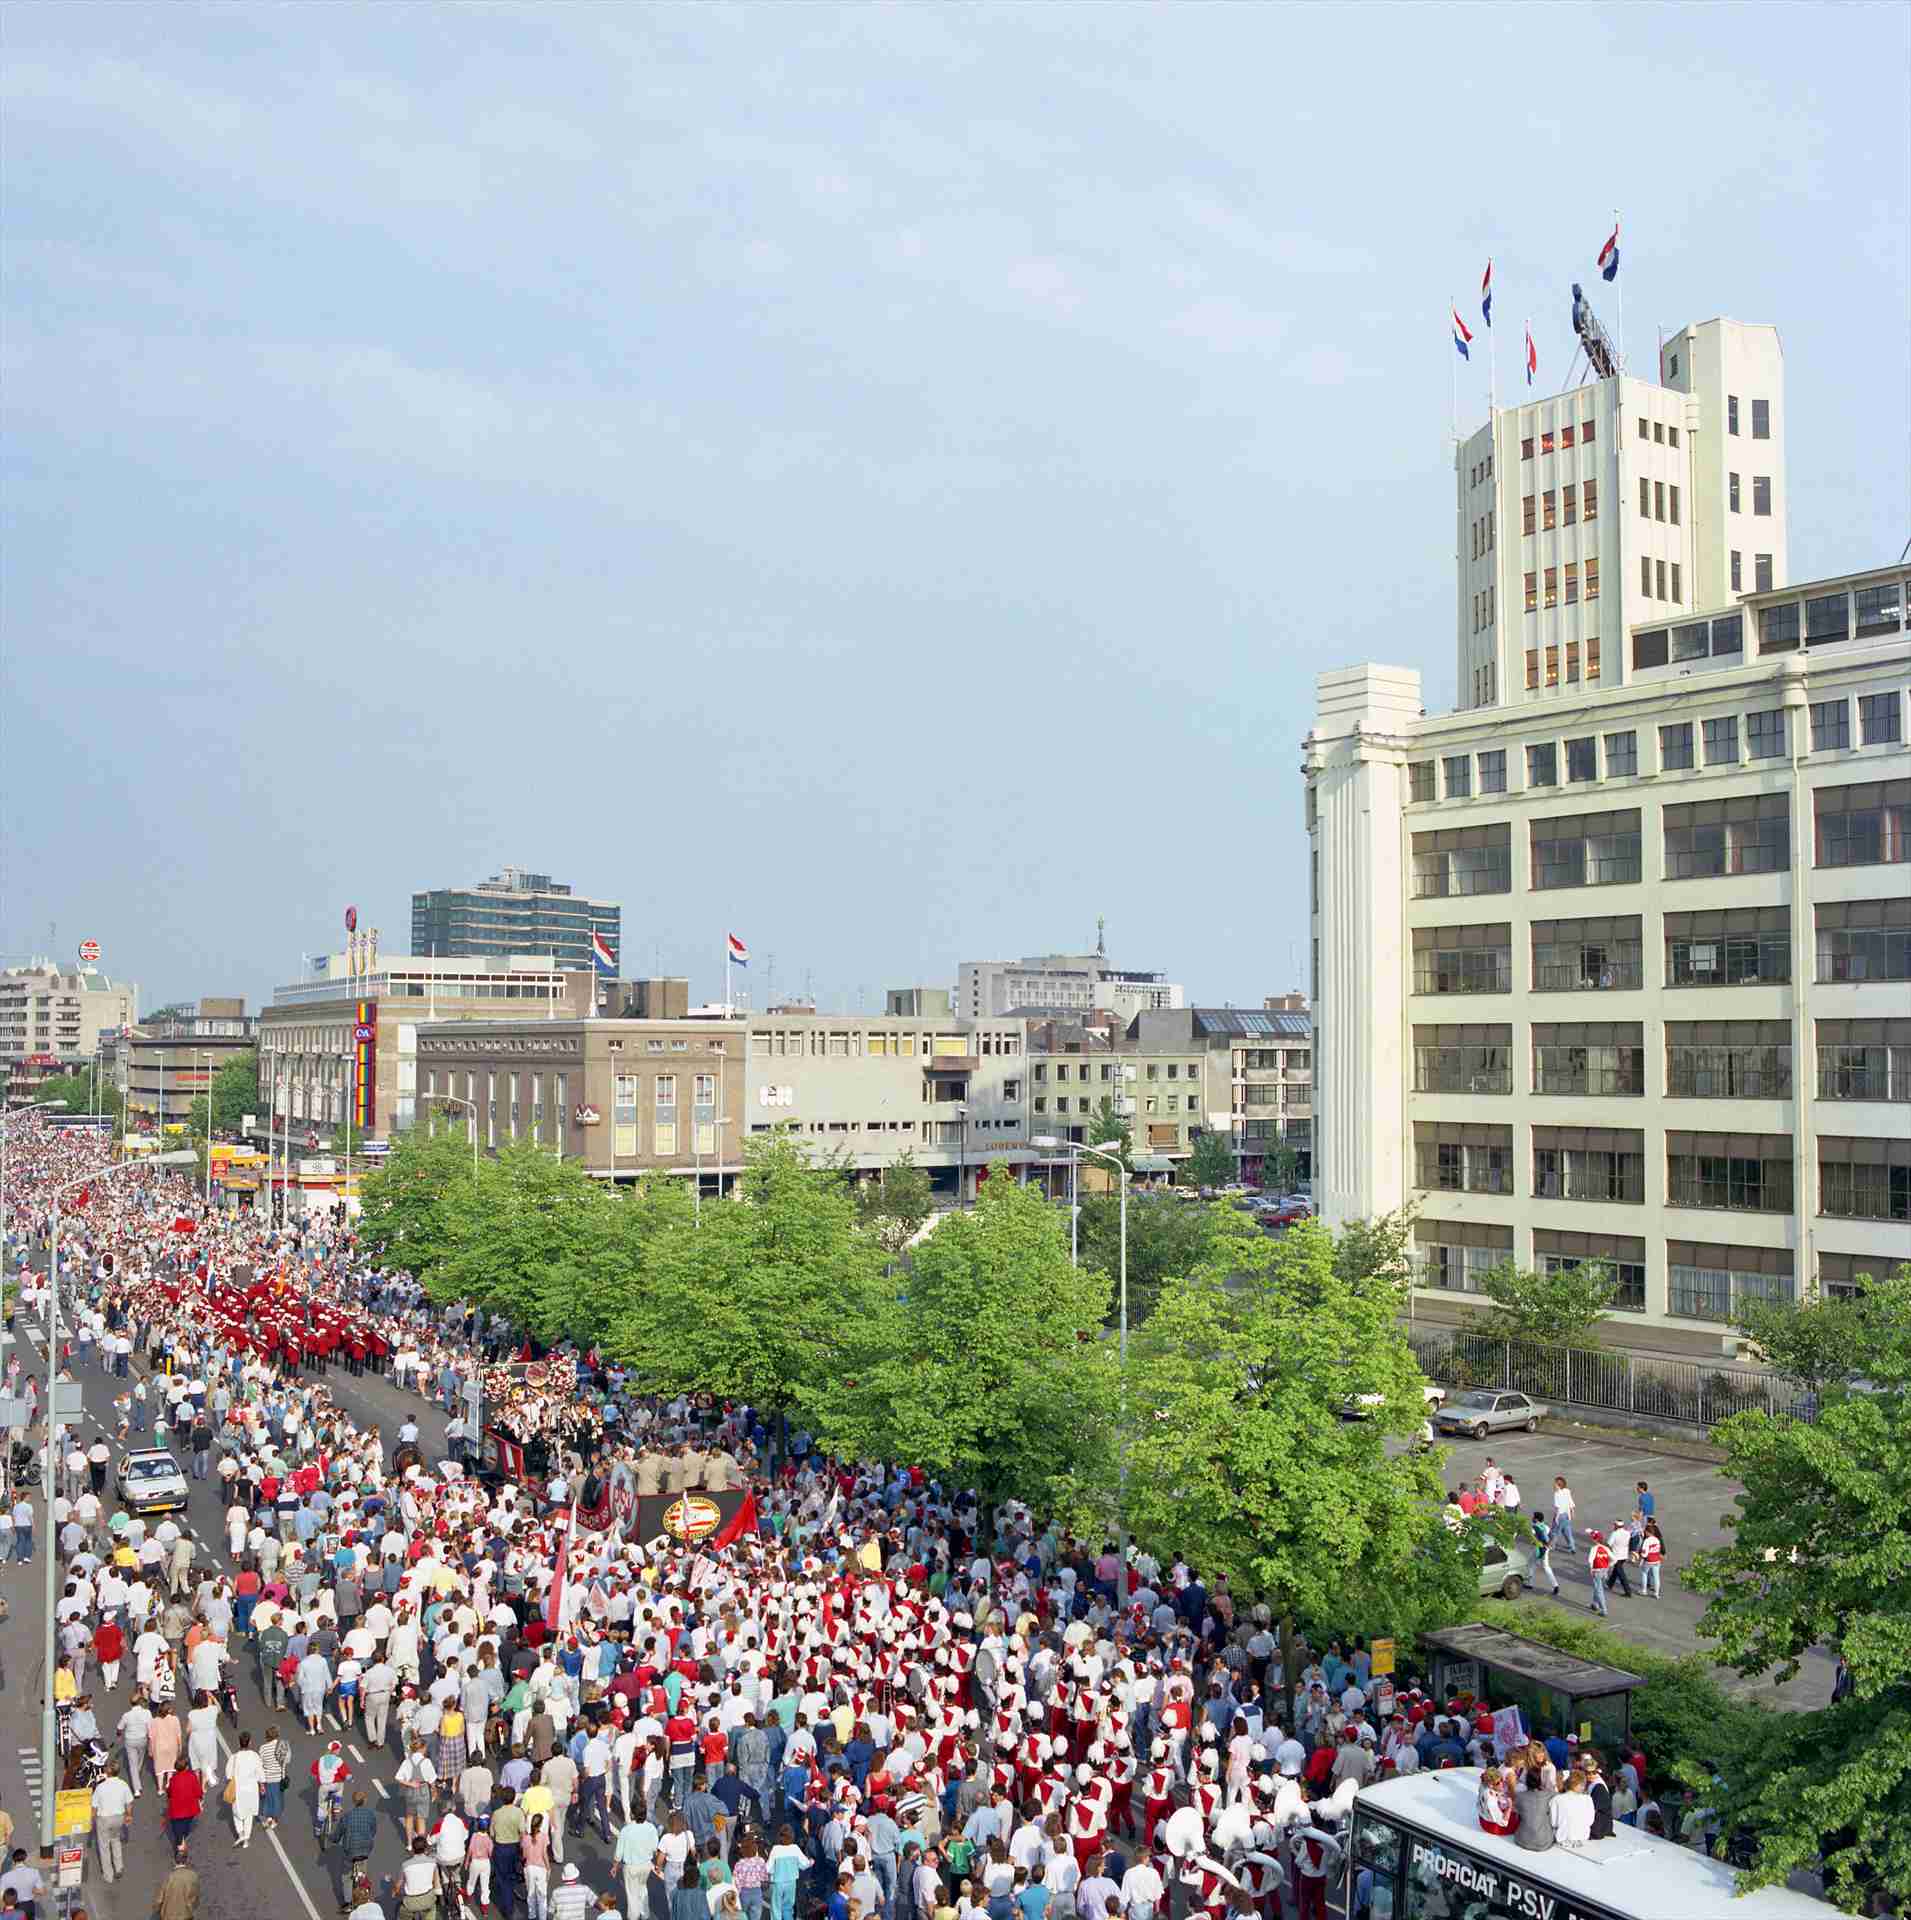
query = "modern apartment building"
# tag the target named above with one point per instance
(349, 1037)
(514, 912)
(684, 1096)
(1064, 983)
(1620, 968)
(54, 1015)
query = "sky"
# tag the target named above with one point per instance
(880, 479)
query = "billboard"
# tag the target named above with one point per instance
(365, 1054)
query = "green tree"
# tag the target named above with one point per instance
(1210, 1162)
(1107, 1128)
(1820, 1555)
(235, 1091)
(1243, 1460)
(994, 1369)
(894, 1206)
(1378, 1249)
(1825, 1343)
(535, 1238)
(764, 1300)
(84, 1092)
(1165, 1236)
(1563, 1309)
(1280, 1168)
(406, 1205)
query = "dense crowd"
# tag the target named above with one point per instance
(876, 1699)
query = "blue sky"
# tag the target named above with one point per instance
(881, 479)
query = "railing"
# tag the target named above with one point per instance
(1692, 1393)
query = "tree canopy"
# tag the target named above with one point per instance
(1820, 1555)
(1165, 1236)
(1242, 1458)
(1562, 1309)
(894, 1206)
(990, 1366)
(1210, 1162)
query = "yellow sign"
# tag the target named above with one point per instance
(691, 1517)
(1383, 1656)
(72, 1812)
(1585, 1733)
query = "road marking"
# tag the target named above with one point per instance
(382, 1794)
(354, 1752)
(298, 1885)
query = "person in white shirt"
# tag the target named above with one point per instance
(112, 1801)
(1572, 1814)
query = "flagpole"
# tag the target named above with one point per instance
(1453, 307)
(1619, 298)
(1492, 361)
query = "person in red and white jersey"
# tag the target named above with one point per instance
(1157, 1793)
(1087, 1815)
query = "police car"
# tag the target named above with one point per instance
(150, 1481)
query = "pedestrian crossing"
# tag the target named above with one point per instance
(30, 1767)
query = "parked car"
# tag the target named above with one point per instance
(1488, 1410)
(1362, 1405)
(1506, 1570)
(150, 1481)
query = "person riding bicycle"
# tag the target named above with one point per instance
(331, 1773)
(418, 1883)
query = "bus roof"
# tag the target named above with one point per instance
(1633, 1873)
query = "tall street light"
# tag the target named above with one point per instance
(49, 1718)
(1047, 1141)
(457, 1100)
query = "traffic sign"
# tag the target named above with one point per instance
(89, 951)
(13, 1411)
(72, 1811)
(67, 1400)
(1382, 1656)
(70, 1867)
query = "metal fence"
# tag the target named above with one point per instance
(1691, 1392)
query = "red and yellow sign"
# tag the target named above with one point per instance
(692, 1517)
(365, 1048)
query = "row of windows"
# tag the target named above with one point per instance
(825, 1043)
(1708, 1289)
(1655, 497)
(1761, 495)
(546, 1123)
(1723, 741)
(1555, 657)
(1551, 441)
(1858, 1179)
(1761, 417)
(1564, 506)
(1658, 432)
(1482, 471)
(1653, 578)
(1110, 1070)
(1823, 619)
(1761, 573)
(1543, 587)
(1151, 1103)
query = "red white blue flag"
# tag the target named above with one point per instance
(739, 953)
(601, 954)
(1460, 336)
(1609, 256)
(1486, 294)
(1532, 357)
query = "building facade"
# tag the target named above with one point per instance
(1621, 503)
(1626, 974)
(347, 1039)
(1064, 983)
(168, 1064)
(53, 1016)
(683, 1097)
(514, 912)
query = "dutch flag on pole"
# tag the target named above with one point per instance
(1460, 336)
(601, 954)
(739, 953)
(1486, 294)
(1609, 256)
(1532, 356)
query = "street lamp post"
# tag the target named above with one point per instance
(456, 1100)
(206, 1072)
(962, 1155)
(1075, 1149)
(49, 1718)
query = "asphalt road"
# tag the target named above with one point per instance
(1691, 1498)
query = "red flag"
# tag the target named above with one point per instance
(182, 1225)
(555, 1609)
(524, 1352)
(85, 1194)
(739, 1523)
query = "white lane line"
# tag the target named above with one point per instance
(354, 1752)
(285, 1860)
(382, 1794)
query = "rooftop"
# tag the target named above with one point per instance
(1563, 1672)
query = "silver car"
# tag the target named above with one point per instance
(1489, 1410)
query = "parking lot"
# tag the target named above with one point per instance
(1603, 1475)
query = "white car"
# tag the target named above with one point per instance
(150, 1481)
(1363, 1405)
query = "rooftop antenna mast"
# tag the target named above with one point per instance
(1101, 936)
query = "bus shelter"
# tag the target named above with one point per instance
(1554, 1691)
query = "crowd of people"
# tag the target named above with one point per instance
(875, 1702)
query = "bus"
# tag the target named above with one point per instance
(1416, 1852)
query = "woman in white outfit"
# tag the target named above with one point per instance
(237, 1522)
(244, 1775)
(202, 1740)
